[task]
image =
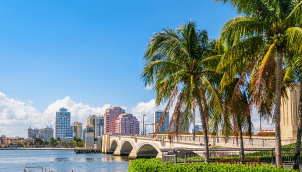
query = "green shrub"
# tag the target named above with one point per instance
(156, 164)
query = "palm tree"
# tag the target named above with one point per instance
(272, 26)
(236, 116)
(175, 65)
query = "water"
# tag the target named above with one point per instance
(60, 160)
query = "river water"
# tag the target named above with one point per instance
(60, 160)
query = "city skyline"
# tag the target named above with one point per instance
(40, 121)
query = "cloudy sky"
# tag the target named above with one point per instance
(85, 55)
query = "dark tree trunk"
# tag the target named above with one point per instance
(205, 131)
(241, 153)
(298, 143)
(277, 108)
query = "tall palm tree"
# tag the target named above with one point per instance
(240, 113)
(174, 63)
(275, 27)
(236, 116)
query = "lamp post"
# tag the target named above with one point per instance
(194, 128)
(143, 124)
(149, 124)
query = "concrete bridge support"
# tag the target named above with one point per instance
(117, 151)
(106, 144)
(133, 153)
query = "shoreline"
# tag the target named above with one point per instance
(37, 148)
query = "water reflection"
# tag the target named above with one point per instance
(115, 158)
(61, 159)
(105, 159)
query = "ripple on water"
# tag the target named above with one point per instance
(61, 160)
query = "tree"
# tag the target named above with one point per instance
(175, 64)
(273, 27)
(38, 141)
(234, 91)
(45, 143)
(76, 139)
(19, 144)
(63, 143)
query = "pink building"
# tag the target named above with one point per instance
(110, 116)
(127, 124)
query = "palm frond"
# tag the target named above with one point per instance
(255, 8)
(294, 37)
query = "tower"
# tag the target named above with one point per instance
(63, 128)
(165, 125)
(77, 129)
(289, 112)
(110, 116)
(98, 124)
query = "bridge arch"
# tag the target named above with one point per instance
(113, 145)
(126, 147)
(146, 150)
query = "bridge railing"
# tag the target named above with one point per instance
(182, 155)
(218, 140)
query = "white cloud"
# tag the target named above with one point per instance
(16, 117)
(147, 108)
(79, 112)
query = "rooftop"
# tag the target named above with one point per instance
(63, 109)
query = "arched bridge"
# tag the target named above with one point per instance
(139, 146)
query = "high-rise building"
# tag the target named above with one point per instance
(76, 129)
(84, 133)
(99, 128)
(127, 124)
(63, 128)
(110, 116)
(98, 124)
(46, 133)
(164, 127)
(32, 133)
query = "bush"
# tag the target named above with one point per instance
(156, 164)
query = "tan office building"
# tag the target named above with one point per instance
(289, 112)
(77, 129)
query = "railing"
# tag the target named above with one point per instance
(182, 155)
(218, 140)
(44, 169)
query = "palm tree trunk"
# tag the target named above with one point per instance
(205, 131)
(298, 143)
(277, 108)
(241, 153)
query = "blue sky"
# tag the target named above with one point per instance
(87, 52)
